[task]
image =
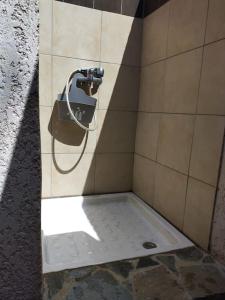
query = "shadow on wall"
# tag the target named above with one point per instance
(66, 132)
(20, 226)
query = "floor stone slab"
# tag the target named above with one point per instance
(187, 274)
(99, 286)
(202, 280)
(158, 284)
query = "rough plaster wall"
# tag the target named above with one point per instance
(218, 226)
(20, 258)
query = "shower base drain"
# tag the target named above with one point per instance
(149, 245)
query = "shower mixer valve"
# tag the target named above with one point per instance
(92, 76)
(92, 72)
(77, 103)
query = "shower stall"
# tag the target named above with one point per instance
(132, 126)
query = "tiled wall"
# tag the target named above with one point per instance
(71, 37)
(180, 126)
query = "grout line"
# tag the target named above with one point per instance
(95, 167)
(183, 52)
(172, 56)
(45, 54)
(100, 40)
(98, 99)
(94, 60)
(179, 172)
(138, 97)
(196, 115)
(118, 110)
(164, 83)
(189, 165)
(157, 146)
(51, 93)
(132, 174)
(101, 109)
(88, 152)
(179, 113)
(206, 22)
(168, 27)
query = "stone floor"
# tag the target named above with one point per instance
(187, 274)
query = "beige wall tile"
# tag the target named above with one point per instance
(76, 31)
(182, 82)
(198, 212)
(121, 39)
(45, 129)
(144, 178)
(68, 137)
(212, 85)
(113, 172)
(155, 29)
(187, 25)
(62, 68)
(46, 168)
(72, 174)
(120, 87)
(45, 80)
(170, 191)
(45, 8)
(147, 133)
(175, 139)
(207, 146)
(116, 131)
(216, 20)
(151, 94)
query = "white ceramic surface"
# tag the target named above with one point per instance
(81, 231)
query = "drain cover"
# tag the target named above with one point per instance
(149, 245)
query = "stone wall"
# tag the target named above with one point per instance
(20, 259)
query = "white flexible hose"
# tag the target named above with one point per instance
(69, 107)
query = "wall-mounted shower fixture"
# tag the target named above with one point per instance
(80, 105)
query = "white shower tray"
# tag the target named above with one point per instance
(82, 231)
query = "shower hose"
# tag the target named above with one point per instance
(74, 118)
